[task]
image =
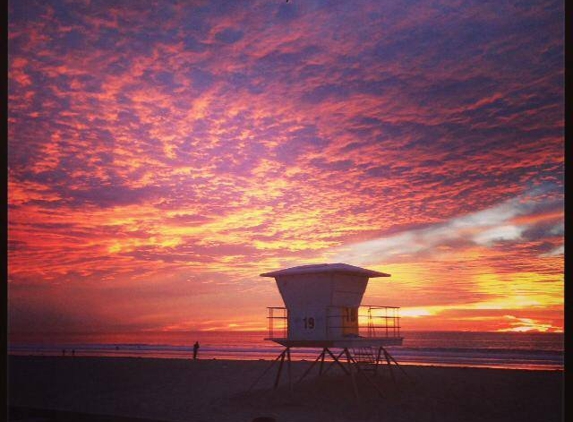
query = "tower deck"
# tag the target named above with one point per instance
(351, 342)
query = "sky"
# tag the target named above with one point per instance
(163, 154)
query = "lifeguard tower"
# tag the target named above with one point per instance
(323, 309)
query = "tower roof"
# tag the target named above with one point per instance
(337, 268)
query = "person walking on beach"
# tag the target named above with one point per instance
(195, 350)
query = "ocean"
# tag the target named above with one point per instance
(531, 351)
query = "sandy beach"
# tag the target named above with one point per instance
(218, 390)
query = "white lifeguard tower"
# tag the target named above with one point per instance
(323, 309)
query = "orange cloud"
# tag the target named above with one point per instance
(173, 152)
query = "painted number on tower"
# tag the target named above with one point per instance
(351, 314)
(308, 323)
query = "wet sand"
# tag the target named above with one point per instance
(218, 390)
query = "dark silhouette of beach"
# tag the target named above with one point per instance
(217, 390)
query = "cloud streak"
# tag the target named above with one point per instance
(212, 141)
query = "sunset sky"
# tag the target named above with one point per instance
(163, 154)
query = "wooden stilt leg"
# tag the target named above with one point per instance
(337, 361)
(266, 370)
(322, 362)
(354, 386)
(312, 366)
(397, 364)
(289, 370)
(283, 354)
(387, 356)
(377, 361)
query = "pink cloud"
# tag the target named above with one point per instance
(192, 140)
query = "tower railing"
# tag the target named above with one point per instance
(382, 321)
(369, 321)
(277, 322)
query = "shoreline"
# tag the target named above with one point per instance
(457, 349)
(218, 390)
(127, 355)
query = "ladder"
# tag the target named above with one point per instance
(365, 357)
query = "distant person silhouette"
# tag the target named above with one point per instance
(195, 350)
(73, 352)
(63, 352)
